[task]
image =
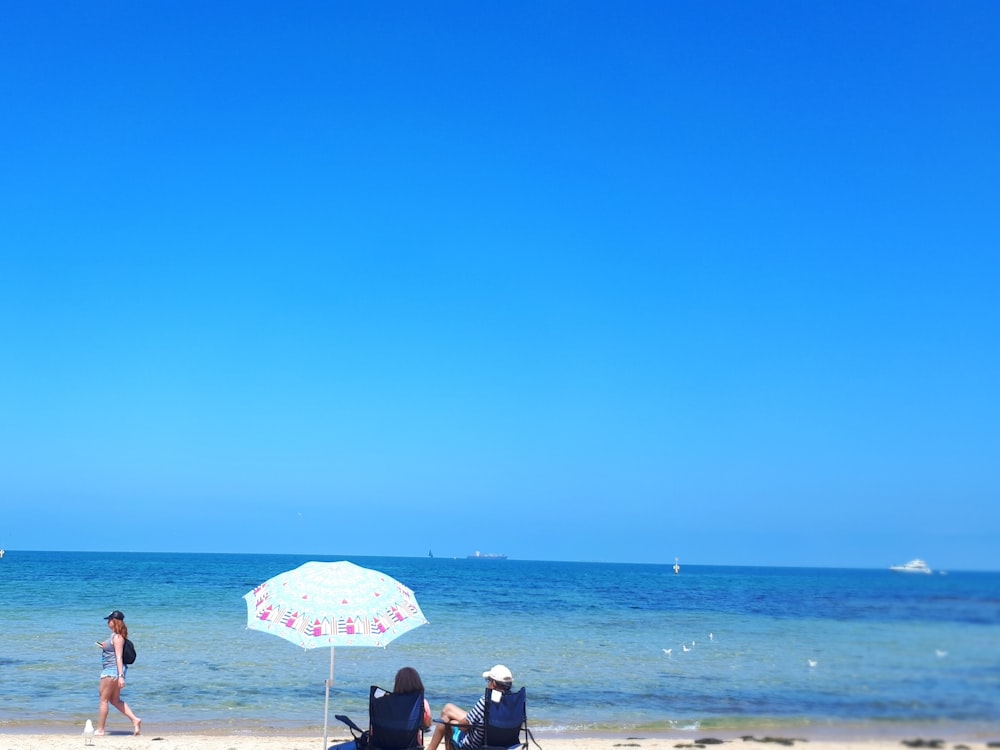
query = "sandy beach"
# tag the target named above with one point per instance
(625, 741)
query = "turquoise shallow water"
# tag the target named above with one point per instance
(587, 639)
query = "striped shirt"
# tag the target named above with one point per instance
(477, 731)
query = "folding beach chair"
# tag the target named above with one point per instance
(394, 721)
(505, 722)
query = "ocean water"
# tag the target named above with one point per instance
(587, 639)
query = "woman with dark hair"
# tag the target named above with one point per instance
(113, 671)
(408, 681)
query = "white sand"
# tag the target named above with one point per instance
(153, 740)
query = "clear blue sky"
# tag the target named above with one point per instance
(563, 280)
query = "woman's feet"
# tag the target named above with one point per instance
(136, 729)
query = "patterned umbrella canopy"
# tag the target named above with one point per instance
(333, 604)
(328, 604)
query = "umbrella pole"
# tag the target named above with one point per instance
(326, 704)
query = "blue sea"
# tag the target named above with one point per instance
(750, 649)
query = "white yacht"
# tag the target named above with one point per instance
(913, 566)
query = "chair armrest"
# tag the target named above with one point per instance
(351, 724)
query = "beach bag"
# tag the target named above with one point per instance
(128, 652)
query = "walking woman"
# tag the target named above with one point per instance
(113, 674)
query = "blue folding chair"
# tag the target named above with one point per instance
(506, 720)
(505, 723)
(394, 722)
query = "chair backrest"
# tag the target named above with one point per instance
(395, 719)
(506, 719)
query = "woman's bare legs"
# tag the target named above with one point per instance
(102, 707)
(111, 694)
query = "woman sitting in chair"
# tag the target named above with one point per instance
(468, 728)
(408, 681)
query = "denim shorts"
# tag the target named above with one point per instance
(113, 672)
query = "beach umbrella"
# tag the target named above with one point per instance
(330, 604)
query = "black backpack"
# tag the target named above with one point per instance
(128, 652)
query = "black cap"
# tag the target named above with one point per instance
(116, 615)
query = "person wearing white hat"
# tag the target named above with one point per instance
(467, 726)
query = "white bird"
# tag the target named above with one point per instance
(711, 636)
(940, 654)
(88, 732)
(667, 651)
(813, 662)
(684, 646)
(692, 644)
